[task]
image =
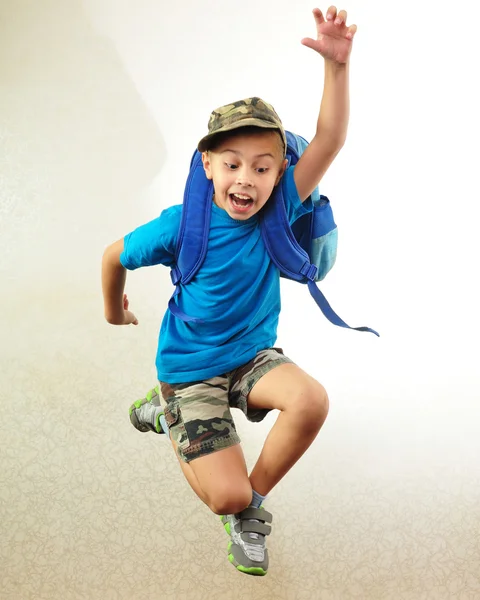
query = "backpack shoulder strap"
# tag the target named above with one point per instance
(282, 246)
(284, 250)
(195, 222)
(192, 241)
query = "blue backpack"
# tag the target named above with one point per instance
(304, 252)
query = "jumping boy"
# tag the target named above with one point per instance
(228, 360)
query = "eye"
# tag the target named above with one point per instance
(262, 170)
(231, 166)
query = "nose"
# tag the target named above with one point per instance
(243, 178)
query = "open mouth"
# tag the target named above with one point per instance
(241, 202)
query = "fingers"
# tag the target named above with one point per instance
(352, 30)
(340, 20)
(130, 318)
(319, 20)
(317, 13)
(331, 13)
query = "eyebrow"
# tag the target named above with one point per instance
(240, 154)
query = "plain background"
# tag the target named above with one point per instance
(101, 105)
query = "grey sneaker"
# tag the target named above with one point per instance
(247, 549)
(145, 413)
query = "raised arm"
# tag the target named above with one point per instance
(334, 43)
(114, 276)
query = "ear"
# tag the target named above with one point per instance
(281, 171)
(207, 164)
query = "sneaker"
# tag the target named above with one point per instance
(145, 413)
(247, 549)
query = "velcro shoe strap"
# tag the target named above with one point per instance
(255, 527)
(256, 513)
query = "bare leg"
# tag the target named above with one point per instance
(303, 403)
(190, 476)
(220, 480)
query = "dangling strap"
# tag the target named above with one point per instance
(328, 311)
(291, 259)
(179, 313)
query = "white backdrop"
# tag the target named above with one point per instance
(403, 187)
(101, 105)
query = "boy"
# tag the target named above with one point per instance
(227, 359)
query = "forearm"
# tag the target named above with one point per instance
(334, 114)
(331, 131)
(114, 276)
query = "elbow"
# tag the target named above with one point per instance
(337, 143)
(109, 320)
(114, 311)
(340, 141)
(112, 320)
(331, 141)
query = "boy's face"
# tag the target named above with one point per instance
(245, 168)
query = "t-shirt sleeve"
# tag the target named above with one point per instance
(153, 243)
(295, 208)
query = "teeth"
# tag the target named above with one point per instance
(241, 197)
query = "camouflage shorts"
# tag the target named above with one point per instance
(198, 413)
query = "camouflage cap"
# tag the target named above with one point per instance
(249, 112)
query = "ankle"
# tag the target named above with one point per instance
(257, 499)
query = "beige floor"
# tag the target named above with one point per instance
(386, 503)
(92, 509)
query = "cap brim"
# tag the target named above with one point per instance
(204, 144)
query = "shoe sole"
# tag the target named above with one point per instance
(258, 571)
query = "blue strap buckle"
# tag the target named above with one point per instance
(309, 271)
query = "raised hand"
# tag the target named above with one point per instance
(334, 38)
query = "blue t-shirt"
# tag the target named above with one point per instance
(236, 291)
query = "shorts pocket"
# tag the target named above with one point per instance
(176, 426)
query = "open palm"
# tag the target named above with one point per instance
(334, 38)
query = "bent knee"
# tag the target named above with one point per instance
(312, 405)
(230, 500)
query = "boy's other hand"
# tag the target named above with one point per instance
(334, 38)
(129, 317)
